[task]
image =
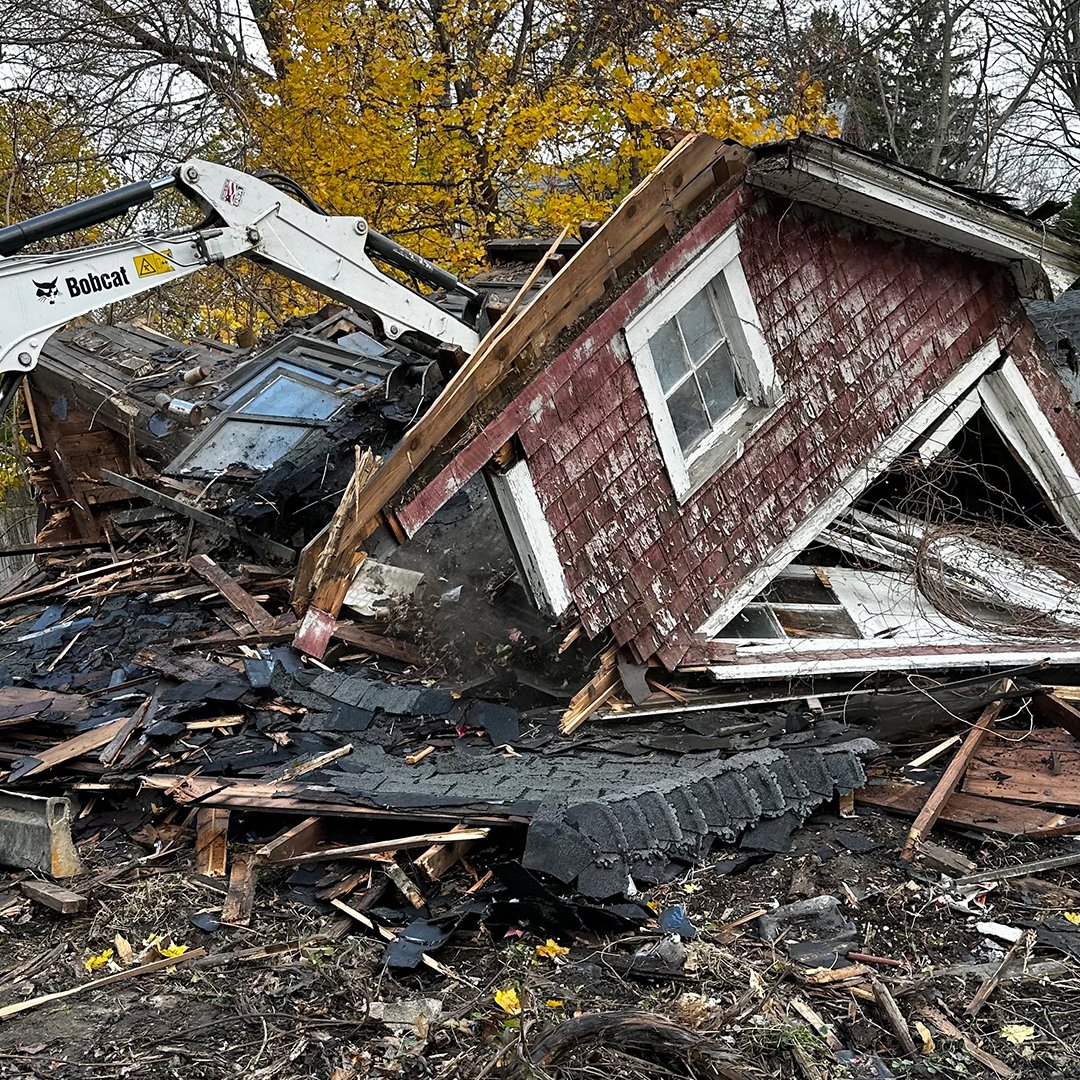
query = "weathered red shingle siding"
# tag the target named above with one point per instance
(863, 326)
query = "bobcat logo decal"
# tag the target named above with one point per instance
(47, 292)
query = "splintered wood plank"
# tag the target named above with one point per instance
(211, 841)
(240, 899)
(387, 847)
(232, 592)
(297, 840)
(73, 748)
(337, 562)
(600, 689)
(950, 778)
(404, 884)
(437, 859)
(972, 811)
(1042, 775)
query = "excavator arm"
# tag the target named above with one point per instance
(248, 216)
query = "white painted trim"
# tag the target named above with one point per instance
(824, 174)
(531, 537)
(856, 483)
(913, 661)
(1020, 421)
(749, 350)
(950, 426)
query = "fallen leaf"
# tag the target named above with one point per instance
(1073, 917)
(123, 948)
(1017, 1033)
(551, 949)
(34, 1048)
(554, 1003)
(507, 999)
(95, 963)
(927, 1038)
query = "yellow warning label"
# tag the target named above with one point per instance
(153, 263)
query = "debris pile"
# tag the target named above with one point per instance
(369, 709)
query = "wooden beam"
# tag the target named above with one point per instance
(375, 643)
(337, 562)
(951, 777)
(237, 597)
(1056, 711)
(211, 841)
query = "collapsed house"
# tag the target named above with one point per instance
(776, 433)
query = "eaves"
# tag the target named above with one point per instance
(830, 176)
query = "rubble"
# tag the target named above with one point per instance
(369, 739)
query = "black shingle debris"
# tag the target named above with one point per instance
(650, 834)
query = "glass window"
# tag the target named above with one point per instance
(696, 369)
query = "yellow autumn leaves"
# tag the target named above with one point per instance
(507, 997)
(451, 122)
(154, 947)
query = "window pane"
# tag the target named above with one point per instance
(688, 415)
(700, 328)
(668, 355)
(719, 385)
(290, 397)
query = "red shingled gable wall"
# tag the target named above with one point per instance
(863, 326)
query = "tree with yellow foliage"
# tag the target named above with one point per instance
(448, 122)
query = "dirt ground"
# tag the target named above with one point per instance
(290, 997)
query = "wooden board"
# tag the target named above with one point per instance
(81, 744)
(211, 841)
(236, 596)
(53, 896)
(950, 778)
(1044, 775)
(971, 811)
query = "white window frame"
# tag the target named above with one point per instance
(754, 367)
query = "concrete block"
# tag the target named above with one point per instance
(35, 834)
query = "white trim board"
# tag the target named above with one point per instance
(1019, 420)
(874, 664)
(530, 536)
(856, 483)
